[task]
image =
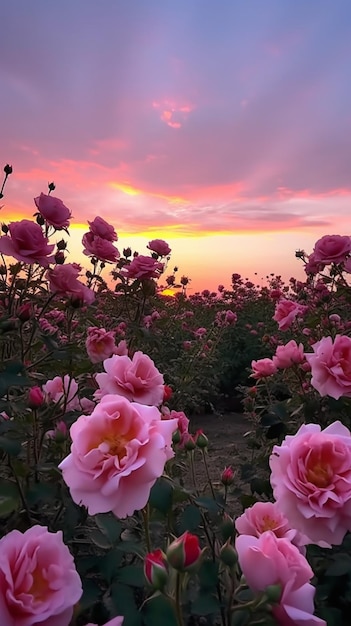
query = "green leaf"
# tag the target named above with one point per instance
(205, 604)
(161, 495)
(209, 504)
(91, 594)
(158, 612)
(10, 446)
(132, 575)
(340, 567)
(189, 519)
(9, 498)
(109, 525)
(208, 574)
(123, 603)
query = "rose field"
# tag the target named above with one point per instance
(167, 457)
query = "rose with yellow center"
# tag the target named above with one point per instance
(38, 580)
(311, 480)
(266, 516)
(117, 454)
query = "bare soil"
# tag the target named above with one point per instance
(227, 447)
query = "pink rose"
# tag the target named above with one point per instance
(268, 560)
(63, 280)
(288, 355)
(159, 246)
(122, 348)
(117, 454)
(103, 229)
(100, 344)
(27, 243)
(332, 249)
(54, 212)
(101, 248)
(263, 516)
(311, 480)
(331, 366)
(143, 267)
(263, 368)
(136, 379)
(62, 390)
(313, 266)
(39, 584)
(286, 311)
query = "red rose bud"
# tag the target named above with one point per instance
(35, 397)
(184, 553)
(227, 477)
(156, 569)
(59, 257)
(167, 393)
(200, 439)
(24, 312)
(228, 554)
(189, 442)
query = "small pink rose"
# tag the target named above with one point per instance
(263, 368)
(160, 247)
(330, 365)
(100, 344)
(103, 229)
(27, 243)
(332, 249)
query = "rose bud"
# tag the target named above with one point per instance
(227, 477)
(35, 397)
(167, 393)
(189, 442)
(24, 312)
(156, 569)
(228, 554)
(227, 527)
(8, 169)
(184, 553)
(201, 440)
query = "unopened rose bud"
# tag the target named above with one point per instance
(8, 169)
(228, 554)
(51, 187)
(201, 440)
(59, 257)
(40, 220)
(184, 553)
(62, 244)
(4, 228)
(273, 593)
(24, 312)
(227, 527)
(35, 397)
(176, 437)
(227, 477)
(127, 252)
(156, 569)
(189, 443)
(167, 393)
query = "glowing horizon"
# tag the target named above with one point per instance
(237, 144)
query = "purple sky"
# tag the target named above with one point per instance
(187, 116)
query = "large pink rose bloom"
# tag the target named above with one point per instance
(263, 516)
(102, 249)
(100, 344)
(54, 212)
(159, 246)
(311, 480)
(39, 584)
(27, 243)
(289, 355)
(286, 311)
(268, 560)
(117, 454)
(143, 267)
(332, 249)
(136, 379)
(103, 229)
(63, 280)
(263, 368)
(331, 366)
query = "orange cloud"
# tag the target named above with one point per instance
(172, 113)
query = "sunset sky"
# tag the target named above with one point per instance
(221, 126)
